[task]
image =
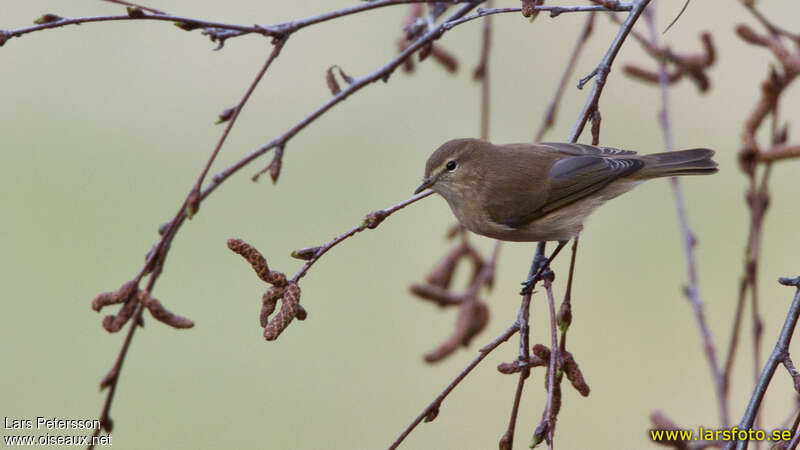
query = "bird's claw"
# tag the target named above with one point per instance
(528, 286)
(542, 272)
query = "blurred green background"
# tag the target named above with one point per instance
(105, 126)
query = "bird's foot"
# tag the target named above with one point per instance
(542, 272)
(541, 268)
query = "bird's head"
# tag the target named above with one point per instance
(452, 166)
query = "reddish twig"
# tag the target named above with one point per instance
(432, 410)
(564, 318)
(552, 108)
(524, 357)
(481, 73)
(601, 71)
(550, 413)
(193, 203)
(771, 27)
(154, 262)
(371, 221)
(692, 290)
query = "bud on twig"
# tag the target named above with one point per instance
(226, 115)
(306, 253)
(135, 12)
(187, 26)
(47, 18)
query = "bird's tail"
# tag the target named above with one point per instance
(696, 161)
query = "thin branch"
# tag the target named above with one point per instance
(482, 73)
(157, 255)
(589, 108)
(550, 114)
(5, 35)
(602, 70)
(276, 30)
(778, 354)
(554, 363)
(154, 262)
(554, 11)
(675, 20)
(105, 415)
(507, 439)
(792, 445)
(432, 410)
(382, 73)
(105, 419)
(692, 290)
(371, 221)
(522, 323)
(135, 5)
(276, 50)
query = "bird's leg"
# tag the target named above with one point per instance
(541, 267)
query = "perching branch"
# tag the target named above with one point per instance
(521, 324)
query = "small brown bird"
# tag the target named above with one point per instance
(543, 192)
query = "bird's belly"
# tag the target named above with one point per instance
(560, 225)
(556, 226)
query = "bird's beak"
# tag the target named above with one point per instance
(426, 183)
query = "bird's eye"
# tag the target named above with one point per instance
(451, 166)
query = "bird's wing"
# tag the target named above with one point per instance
(583, 149)
(571, 178)
(574, 178)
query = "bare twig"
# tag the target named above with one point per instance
(601, 72)
(194, 200)
(371, 221)
(154, 262)
(550, 414)
(565, 310)
(280, 32)
(779, 353)
(522, 323)
(552, 107)
(481, 74)
(689, 241)
(277, 30)
(432, 410)
(555, 11)
(675, 20)
(135, 5)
